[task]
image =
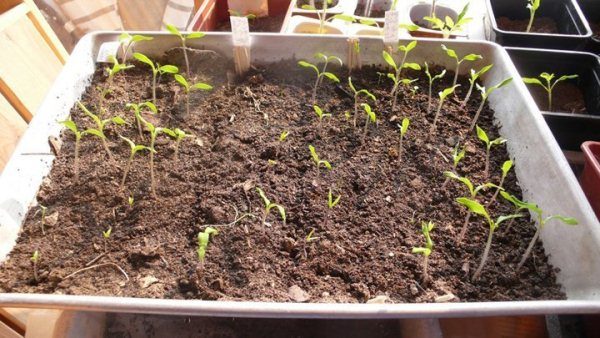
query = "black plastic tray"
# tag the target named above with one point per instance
(591, 11)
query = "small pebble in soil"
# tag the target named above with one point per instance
(297, 294)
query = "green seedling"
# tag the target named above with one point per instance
(317, 160)
(482, 135)
(78, 135)
(370, 116)
(203, 240)
(184, 38)
(425, 251)
(403, 129)
(179, 136)
(269, 206)
(106, 236)
(469, 57)
(480, 210)
(542, 222)
(457, 155)
(473, 192)
(283, 136)
(310, 237)
(533, 6)
(156, 70)
(449, 26)
(506, 166)
(189, 88)
(431, 80)
(320, 114)
(331, 201)
(549, 85)
(396, 76)
(154, 132)
(357, 94)
(111, 71)
(130, 201)
(321, 73)
(442, 97)
(137, 110)
(127, 42)
(100, 125)
(35, 260)
(485, 93)
(518, 206)
(43, 222)
(322, 15)
(134, 148)
(473, 76)
(248, 16)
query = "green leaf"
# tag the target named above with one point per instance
(326, 164)
(474, 207)
(138, 38)
(421, 251)
(281, 212)
(351, 85)
(547, 77)
(498, 141)
(284, 134)
(318, 111)
(308, 8)
(71, 125)
(308, 65)
(195, 35)
(532, 80)
(331, 76)
(89, 113)
(173, 30)
(336, 59)
(443, 94)
(463, 180)
(150, 106)
(118, 120)
(451, 53)
(129, 142)
(344, 17)
(506, 166)
(144, 59)
(409, 27)
(139, 148)
(410, 46)
(507, 217)
(182, 81)
(262, 195)
(457, 155)
(566, 220)
(482, 135)
(566, 77)
(404, 127)
(368, 22)
(411, 65)
(449, 22)
(124, 37)
(389, 59)
(202, 86)
(94, 132)
(499, 85)
(472, 57)
(313, 153)
(170, 69)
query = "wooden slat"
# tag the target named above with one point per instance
(142, 14)
(5, 5)
(12, 127)
(13, 15)
(46, 32)
(15, 318)
(7, 332)
(495, 327)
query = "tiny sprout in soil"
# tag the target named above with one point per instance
(331, 201)
(100, 124)
(320, 114)
(43, 221)
(127, 42)
(112, 71)
(137, 110)
(485, 93)
(457, 155)
(73, 128)
(443, 95)
(134, 148)
(426, 229)
(269, 206)
(473, 77)
(403, 130)
(179, 135)
(549, 84)
(482, 135)
(323, 73)
(188, 88)
(533, 6)
(106, 236)
(449, 26)
(283, 136)
(357, 94)
(156, 70)
(506, 166)
(184, 38)
(130, 201)
(518, 204)
(35, 260)
(310, 237)
(431, 81)
(317, 160)
(396, 76)
(469, 57)
(203, 239)
(370, 116)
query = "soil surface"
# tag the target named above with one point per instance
(265, 24)
(566, 97)
(375, 13)
(540, 25)
(595, 29)
(318, 3)
(361, 248)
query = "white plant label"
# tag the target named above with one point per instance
(241, 31)
(390, 29)
(106, 50)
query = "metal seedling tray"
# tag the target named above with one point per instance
(542, 170)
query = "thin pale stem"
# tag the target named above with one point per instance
(76, 162)
(108, 152)
(187, 103)
(486, 252)
(529, 249)
(139, 126)
(429, 101)
(152, 178)
(394, 100)
(425, 270)
(550, 100)
(127, 168)
(437, 114)
(479, 110)
(466, 100)
(314, 93)
(497, 190)
(355, 110)
(456, 74)
(510, 223)
(185, 56)
(530, 24)
(465, 226)
(35, 272)
(154, 87)
(487, 163)
(176, 153)
(400, 148)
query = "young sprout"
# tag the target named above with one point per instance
(473, 76)
(248, 16)
(127, 42)
(111, 71)
(99, 130)
(403, 130)
(431, 80)
(396, 76)
(179, 136)
(156, 70)
(134, 148)
(106, 236)
(443, 95)
(370, 116)
(518, 204)
(549, 85)
(541, 224)
(449, 26)
(331, 201)
(506, 166)
(154, 132)
(485, 93)
(188, 88)
(469, 57)
(457, 156)
(322, 73)
(425, 251)
(203, 239)
(137, 110)
(44, 210)
(184, 37)
(532, 5)
(357, 94)
(283, 136)
(473, 191)
(479, 209)
(320, 114)
(482, 135)
(310, 237)
(73, 128)
(322, 14)
(269, 206)
(317, 160)
(130, 201)
(35, 259)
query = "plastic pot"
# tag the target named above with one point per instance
(569, 129)
(590, 178)
(213, 12)
(378, 5)
(416, 12)
(591, 11)
(572, 30)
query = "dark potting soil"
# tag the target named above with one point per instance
(566, 97)
(361, 248)
(595, 29)
(360, 10)
(265, 24)
(318, 3)
(540, 25)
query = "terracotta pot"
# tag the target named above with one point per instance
(590, 178)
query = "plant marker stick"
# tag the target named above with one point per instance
(390, 30)
(353, 59)
(241, 44)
